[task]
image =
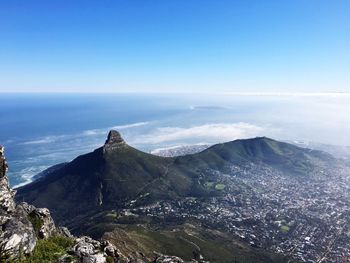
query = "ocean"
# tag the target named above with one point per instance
(40, 130)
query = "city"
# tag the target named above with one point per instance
(305, 218)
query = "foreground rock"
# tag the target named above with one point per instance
(17, 233)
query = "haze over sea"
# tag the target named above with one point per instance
(40, 130)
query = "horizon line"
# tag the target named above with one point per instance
(232, 93)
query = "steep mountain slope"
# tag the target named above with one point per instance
(110, 176)
(118, 175)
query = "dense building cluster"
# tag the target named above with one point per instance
(304, 217)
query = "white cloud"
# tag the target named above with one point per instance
(104, 131)
(215, 132)
(41, 141)
(132, 125)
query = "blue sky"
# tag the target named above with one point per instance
(175, 46)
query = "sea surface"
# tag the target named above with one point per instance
(40, 130)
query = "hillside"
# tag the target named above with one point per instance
(117, 188)
(116, 174)
(282, 156)
(110, 176)
(29, 235)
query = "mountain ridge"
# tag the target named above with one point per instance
(117, 190)
(116, 173)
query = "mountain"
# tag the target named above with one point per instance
(116, 174)
(196, 204)
(29, 235)
(282, 156)
(48, 171)
(110, 176)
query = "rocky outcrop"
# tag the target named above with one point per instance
(88, 250)
(7, 203)
(41, 220)
(16, 233)
(114, 141)
(168, 259)
(21, 225)
(160, 258)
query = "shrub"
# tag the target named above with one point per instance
(36, 221)
(47, 250)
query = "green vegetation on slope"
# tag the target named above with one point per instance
(187, 241)
(279, 155)
(110, 180)
(46, 250)
(220, 187)
(36, 222)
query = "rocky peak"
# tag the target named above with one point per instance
(114, 141)
(114, 137)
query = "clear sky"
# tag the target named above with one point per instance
(175, 45)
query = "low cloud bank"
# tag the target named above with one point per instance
(214, 132)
